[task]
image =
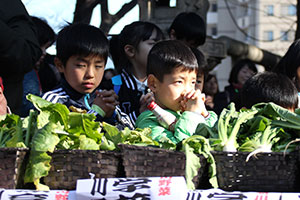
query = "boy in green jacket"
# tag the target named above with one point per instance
(172, 73)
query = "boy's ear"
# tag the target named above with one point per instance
(129, 50)
(152, 82)
(172, 34)
(59, 65)
(298, 72)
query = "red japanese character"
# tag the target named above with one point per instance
(62, 195)
(163, 191)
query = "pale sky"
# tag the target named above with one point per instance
(58, 12)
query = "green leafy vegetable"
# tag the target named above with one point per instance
(193, 145)
(43, 141)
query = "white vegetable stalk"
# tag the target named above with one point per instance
(229, 146)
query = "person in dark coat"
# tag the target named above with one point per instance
(240, 73)
(19, 50)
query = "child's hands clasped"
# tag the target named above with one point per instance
(107, 101)
(194, 101)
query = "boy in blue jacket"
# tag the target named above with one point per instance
(82, 52)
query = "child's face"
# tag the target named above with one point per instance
(244, 74)
(211, 86)
(83, 74)
(143, 50)
(169, 93)
(200, 82)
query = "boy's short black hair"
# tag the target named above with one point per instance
(237, 68)
(165, 56)
(81, 39)
(269, 87)
(189, 26)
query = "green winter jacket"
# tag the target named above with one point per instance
(185, 127)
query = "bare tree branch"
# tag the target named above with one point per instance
(108, 20)
(84, 9)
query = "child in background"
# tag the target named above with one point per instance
(172, 73)
(270, 87)
(129, 52)
(201, 68)
(82, 52)
(240, 73)
(289, 65)
(211, 88)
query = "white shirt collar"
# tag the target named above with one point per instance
(141, 86)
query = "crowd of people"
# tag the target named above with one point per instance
(148, 66)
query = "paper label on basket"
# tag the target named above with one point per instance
(132, 188)
(217, 194)
(34, 195)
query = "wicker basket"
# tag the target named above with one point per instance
(268, 172)
(67, 166)
(12, 167)
(141, 161)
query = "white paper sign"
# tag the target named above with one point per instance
(165, 188)
(217, 194)
(34, 195)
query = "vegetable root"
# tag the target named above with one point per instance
(291, 142)
(261, 149)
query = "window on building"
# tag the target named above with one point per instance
(291, 35)
(270, 10)
(268, 35)
(288, 10)
(164, 3)
(214, 7)
(284, 36)
(214, 31)
(292, 10)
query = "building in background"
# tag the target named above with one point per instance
(265, 28)
(266, 24)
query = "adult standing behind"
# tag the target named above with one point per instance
(289, 65)
(240, 73)
(32, 80)
(19, 49)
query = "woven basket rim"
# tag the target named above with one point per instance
(13, 149)
(246, 153)
(148, 148)
(60, 151)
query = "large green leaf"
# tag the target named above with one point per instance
(44, 140)
(87, 143)
(37, 101)
(274, 111)
(84, 124)
(16, 130)
(55, 112)
(200, 145)
(113, 134)
(38, 166)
